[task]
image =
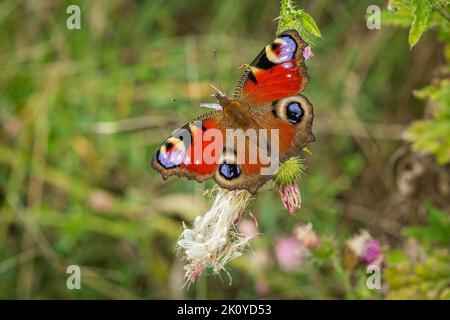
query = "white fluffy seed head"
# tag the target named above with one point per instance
(212, 240)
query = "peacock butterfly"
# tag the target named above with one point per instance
(266, 106)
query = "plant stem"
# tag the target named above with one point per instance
(344, 278)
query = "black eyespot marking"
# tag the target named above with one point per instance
(251, 77)
(294, 112)
(229, 171)
(168, 145)
(274, 46)
(264, 63)
(183, 134)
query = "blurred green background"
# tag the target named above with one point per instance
(82, 111)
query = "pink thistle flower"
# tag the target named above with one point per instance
(362, 249)
(291, 198)
(372, 253)
(290, 253)
(307, 53)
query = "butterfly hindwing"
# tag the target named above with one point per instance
(279, 71)
(293, 116)
(290, 121)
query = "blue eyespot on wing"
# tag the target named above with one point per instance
(294, 112)
(229, 171)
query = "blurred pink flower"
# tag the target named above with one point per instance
(306, 235)
(291, 198)
(262, 288)
(101, 201)
(362, 249)
(372, 253)
(307, 53)
(290, 253)
(247, 227)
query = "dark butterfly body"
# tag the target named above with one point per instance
(266, 98)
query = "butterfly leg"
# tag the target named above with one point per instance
(238, 219)
(250, 213)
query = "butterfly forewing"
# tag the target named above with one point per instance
(279, 71)
(183, 152)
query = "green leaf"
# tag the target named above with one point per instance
(432, 135)
(436, 231)
(399, 14)
(293, 18)
(309, 24)
(424, 279)
(419, 23)
(396, 257)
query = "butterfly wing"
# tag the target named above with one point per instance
(289, 129)
(183, 153)
(293, 117)
(279, 71)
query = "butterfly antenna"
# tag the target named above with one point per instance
(218, 91)
(216, 65)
